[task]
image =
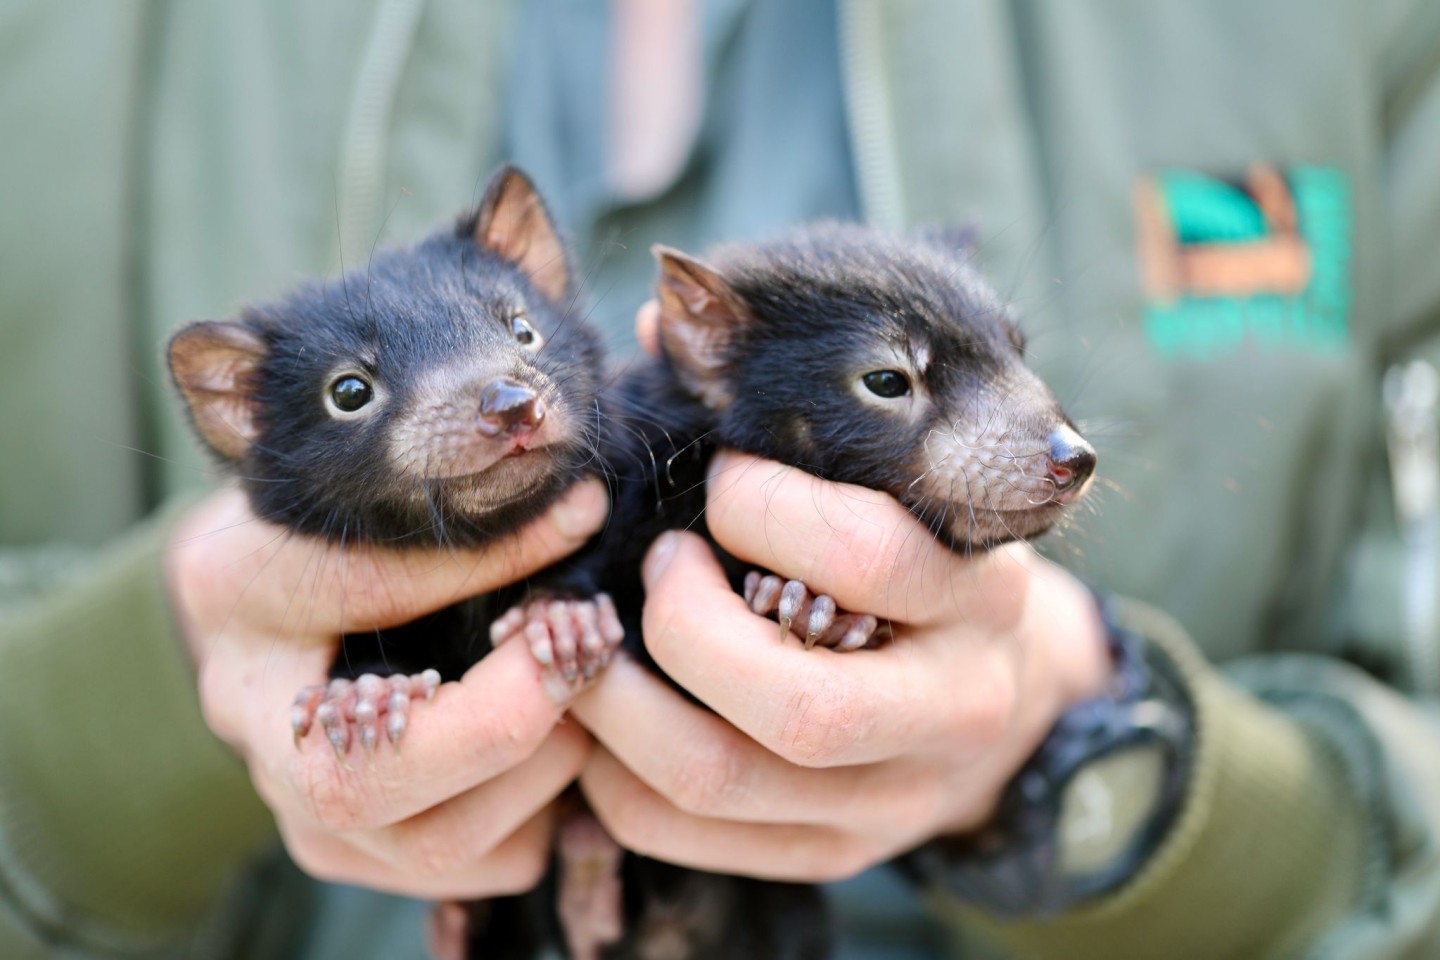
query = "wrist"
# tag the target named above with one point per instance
(1091, 803)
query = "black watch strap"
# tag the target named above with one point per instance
(1014, 867)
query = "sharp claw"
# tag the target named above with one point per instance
(300, 724)
(810, 639)
(366, 717)
(784, 627)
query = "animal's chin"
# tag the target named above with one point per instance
(987, 529)
(515, 476)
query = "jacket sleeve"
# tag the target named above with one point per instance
(1309, 827)
(121, 815)
(1312, 823)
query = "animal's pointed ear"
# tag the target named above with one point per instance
(214, 365)
(512, 223)
(700, 317)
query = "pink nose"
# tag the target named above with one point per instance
(509, 408)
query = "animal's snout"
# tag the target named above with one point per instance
(1071, 461)
(510, 408)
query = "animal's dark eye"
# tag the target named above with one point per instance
(526, 335)
(887, 383)
(350, 393)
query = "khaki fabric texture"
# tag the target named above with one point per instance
(121, 821)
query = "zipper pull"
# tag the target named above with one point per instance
(1412, 392)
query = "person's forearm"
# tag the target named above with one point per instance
(120, 813)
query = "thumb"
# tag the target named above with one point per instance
(287, 585)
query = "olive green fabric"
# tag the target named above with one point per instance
(121, 817)
(167, 161)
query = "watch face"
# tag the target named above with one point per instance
(1105, 805)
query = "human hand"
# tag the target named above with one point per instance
(816, 765)
(463, 810)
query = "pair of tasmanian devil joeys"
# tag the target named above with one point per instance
(451, 391)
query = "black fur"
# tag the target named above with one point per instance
(409, 312)
(832, 302)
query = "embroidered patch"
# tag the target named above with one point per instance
(1263, 260)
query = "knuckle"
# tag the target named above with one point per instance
(841, 859)
(329, 800)
(822, 723)
(312, 857)
(920, 805)
(855, 858)
(986, 713)
(217, 702)
(632, 823)
(501, 739)
(712, 773)
(433, 854)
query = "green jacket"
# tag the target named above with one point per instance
(165, 161)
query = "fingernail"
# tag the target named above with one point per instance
(581, 511)
(662, 551)
(719, 463)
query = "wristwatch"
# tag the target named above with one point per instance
(1090, 805)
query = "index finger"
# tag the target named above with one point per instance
(289, 584)
(816, 708)
(858, 545)
(492, 720)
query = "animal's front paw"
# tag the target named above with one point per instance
(352, 709)
(812, 616)
(572, 640)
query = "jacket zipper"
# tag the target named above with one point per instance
(1412, 393)
(868, 105)
(366, 140)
